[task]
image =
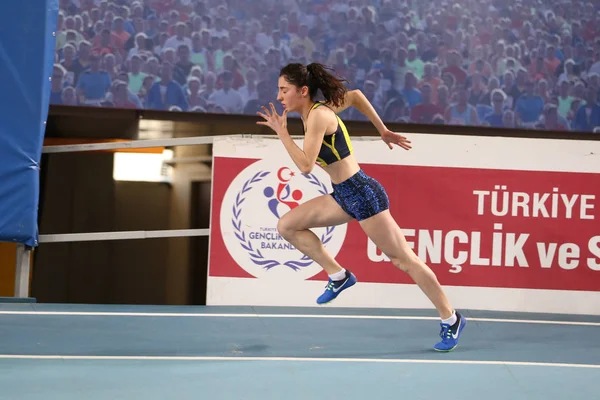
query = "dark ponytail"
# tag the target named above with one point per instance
(316, 77)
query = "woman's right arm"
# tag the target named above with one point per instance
(362, 104)
(357, 99)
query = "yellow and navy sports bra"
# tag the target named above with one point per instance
(335, 147)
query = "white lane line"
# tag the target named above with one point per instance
(323, 316)
(297, 359)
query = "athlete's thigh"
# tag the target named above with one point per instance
(319, 212)
(385, 233)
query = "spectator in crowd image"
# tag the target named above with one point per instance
(231, 66)
(136, 75)
(564, 98)
(183, 67)
(209, 87)
(58, 83)
(439, 62)
(410, 93)
(550, 119)
(461, 112)
(69, 96)
(68, 62)
(81, 62)
(443, 100)
(93, 83)
(543, 91)
(120, 95)
(109, 65)
(249, 91)
(228, 98)
(396, 110)
(179, 38)
(193, 92)
(430, 79)
(496, 117)
(588, 114)
(103, 43)
(132, 97)
(166, 92)
(424, 111)
(529, 106)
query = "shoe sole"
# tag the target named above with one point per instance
(445, 351)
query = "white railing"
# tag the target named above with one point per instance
(132, 144)
(23, 260)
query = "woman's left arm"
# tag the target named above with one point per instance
(304, 157)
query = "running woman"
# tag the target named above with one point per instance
(355, 194)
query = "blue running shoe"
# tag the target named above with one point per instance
(334, 288)
(450, 334)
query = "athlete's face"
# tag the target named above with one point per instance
(291, 96)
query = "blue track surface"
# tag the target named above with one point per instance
(283, 353)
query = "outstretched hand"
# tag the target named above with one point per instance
(393, 138)
(273, 120)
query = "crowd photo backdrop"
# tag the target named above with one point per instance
(513, 64)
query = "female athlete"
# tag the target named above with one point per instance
(355, 195)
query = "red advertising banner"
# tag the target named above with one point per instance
(477, 227)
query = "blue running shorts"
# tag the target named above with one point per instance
(361, 196)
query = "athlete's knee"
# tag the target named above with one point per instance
(286, 228)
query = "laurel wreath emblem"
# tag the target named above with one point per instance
(256, 255)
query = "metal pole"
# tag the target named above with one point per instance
(22, 271)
